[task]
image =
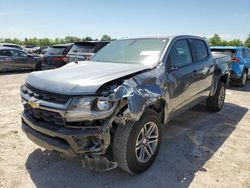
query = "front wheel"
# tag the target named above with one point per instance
(136, 145)
(216, 102)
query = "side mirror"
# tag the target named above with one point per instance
(174, 68)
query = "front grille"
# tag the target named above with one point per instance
(41, 115)
(46, 96)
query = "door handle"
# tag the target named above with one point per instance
(194, 73)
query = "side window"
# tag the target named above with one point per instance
(199, 49)
(16, 53)
(246, 53)
(180, 54)
(5, 53)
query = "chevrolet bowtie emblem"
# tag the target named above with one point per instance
(34, 104)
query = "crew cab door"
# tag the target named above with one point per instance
(180, 75)
(203, 67)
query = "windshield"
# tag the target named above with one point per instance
(136, 51)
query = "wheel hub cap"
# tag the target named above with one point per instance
(146, 142)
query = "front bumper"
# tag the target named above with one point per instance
(70, 141)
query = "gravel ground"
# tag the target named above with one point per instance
(199, 149)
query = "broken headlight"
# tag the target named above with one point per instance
(104, 105)
(89, 108)
(78, 104)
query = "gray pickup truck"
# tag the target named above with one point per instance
(110, 110)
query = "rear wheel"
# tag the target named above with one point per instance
(38, 66)
(216, 102)
(243, 79)
(136, 145)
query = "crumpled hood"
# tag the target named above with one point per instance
(84, 78)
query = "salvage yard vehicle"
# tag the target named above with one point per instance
(56, 56)
(82, 51)
(111, 109)
(240, 62)
(12, 59)
(11, 46)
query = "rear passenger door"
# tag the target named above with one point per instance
(203, 67)
(180, 75)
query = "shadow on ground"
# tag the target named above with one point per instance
(187, 143)
(15, 72)
(239, 88)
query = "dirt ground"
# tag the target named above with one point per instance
(199, 149)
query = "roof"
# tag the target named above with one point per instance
(168, 36)
(62, 45)
(6, 48)
(227, 47)
(92, 42)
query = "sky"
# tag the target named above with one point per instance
(124, 18)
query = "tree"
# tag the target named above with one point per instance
(215, 40)
(88, 38)
(235, 42)
(106, 38)
(247, 42)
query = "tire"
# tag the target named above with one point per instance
(38, 66)
(243, 79)
(216, 102)
(128, 136)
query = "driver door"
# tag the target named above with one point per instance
(180, 75)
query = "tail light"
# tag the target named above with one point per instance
(235, 60)
(63, 59)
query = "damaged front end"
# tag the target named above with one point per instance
(84, 125)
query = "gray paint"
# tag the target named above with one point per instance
(83, 78)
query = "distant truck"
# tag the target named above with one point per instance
(111, 110)
(240, 70)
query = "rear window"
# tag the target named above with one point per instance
(231, 52)
(82, 48)
(199, 49)
(55, 51)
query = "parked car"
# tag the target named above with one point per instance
(110, 110)
(82, 51)
(56, 56)
(11, 45)
(41, 50)
(30, 48)
(240, 62)
(14, 59)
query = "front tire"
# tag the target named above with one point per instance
(216, 102)
(136, 145)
